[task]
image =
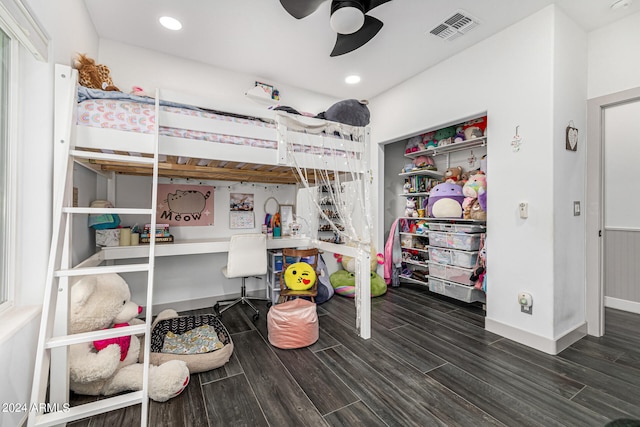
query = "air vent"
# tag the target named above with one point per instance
(455, 26)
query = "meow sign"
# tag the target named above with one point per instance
(190, 205)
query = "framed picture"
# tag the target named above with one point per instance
(286, 219)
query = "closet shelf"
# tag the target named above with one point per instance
(427, 172)
(456, 146)
(414, 194)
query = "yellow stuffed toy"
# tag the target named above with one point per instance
(299, 276)
(92, 75)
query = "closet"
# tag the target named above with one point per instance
(446, 255)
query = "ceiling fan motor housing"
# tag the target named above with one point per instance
(347, 16)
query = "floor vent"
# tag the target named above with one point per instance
(455, 26)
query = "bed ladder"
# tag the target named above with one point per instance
(51, 369)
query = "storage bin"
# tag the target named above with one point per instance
(451, 272)
(454, 257)
(463, 241)
(457, 228)
(455, 290)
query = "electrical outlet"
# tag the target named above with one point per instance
(526, 302)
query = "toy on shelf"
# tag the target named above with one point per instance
(410, 208)
(445, 201)
(453, 174)
(475, 128)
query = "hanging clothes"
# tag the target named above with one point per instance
(393, 256)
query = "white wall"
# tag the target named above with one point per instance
(612, 62)
(195, 281)
(570, 93)
(511, 76)
(225, 89)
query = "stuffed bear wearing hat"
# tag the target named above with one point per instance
(111, 366)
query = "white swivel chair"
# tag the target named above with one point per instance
(247, 258)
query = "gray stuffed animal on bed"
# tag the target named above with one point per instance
(350, 112)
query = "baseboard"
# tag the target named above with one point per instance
(550, 346)
(621, 304)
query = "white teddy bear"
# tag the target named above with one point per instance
(111, 366)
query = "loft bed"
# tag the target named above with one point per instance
(204, 144)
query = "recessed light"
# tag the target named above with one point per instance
(170, 23)
(353, 79)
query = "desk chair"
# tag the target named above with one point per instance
(294, 255)
(247, 258)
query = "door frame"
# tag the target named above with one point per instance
(595, 205)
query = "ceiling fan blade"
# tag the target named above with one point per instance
(301, 8)
(372, 4)
(346, 43)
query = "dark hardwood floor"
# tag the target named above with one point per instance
(429, 363)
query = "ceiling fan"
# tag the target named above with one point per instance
(348, 18)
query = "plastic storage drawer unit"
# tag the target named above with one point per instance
(458, 228)
(463, 241)
(455, 290)
(451, 272)
(454, 257)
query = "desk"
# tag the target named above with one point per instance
(221, 245)
(193, 246)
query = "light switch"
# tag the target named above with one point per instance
(524, 210)
(576, 208)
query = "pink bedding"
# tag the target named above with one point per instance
(136, 117)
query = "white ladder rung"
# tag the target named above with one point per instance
(114, 157)
(89, 409)
(87, 271)
(102, 211)
(103, 334)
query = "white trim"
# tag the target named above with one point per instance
(550, 346)
(15, 319)
(11, 184)
(621, 304)
(595, 206)
(18, 21)
(630, 229)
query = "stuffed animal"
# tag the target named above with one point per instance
(476, 212)
(445, 201)
(344, 283)
(459, 136)
(475, 128)
(413, 145)
(410, 208)
(406, 188)
(350, 112)
(424, 162)
(445, 136)
(452, 175)
(428, 140)
(111, 366)
(349, 263)
(92, 75)
(471, 188)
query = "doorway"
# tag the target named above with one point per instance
(599, 199)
